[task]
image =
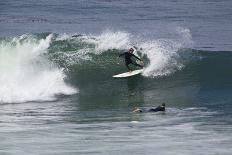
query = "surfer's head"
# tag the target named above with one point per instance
(131, 50)
(163, 104)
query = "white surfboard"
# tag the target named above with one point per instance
(128, 74)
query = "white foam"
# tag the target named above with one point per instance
(163, 57)
(115, 40)
(26, 74)
(163, 53)
(110, 40)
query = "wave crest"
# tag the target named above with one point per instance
(25, 72)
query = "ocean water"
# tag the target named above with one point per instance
(57, 94)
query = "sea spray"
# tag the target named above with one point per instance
(162, 55)
(25, 72)
(163, 58)
(113, 40)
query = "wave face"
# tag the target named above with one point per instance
(162, 55)
(26, 73)
(39, 67)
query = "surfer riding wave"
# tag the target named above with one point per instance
(128, 55)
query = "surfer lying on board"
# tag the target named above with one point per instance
(128, 55)
(159, 108)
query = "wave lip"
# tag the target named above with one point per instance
(25, 72)
(163, 54)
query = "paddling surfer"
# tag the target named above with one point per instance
(159, 108)
(128, 55)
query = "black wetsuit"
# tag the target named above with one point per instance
(128, 60)
(159, 108)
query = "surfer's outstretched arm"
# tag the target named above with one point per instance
(136, 57)
(137, 64)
